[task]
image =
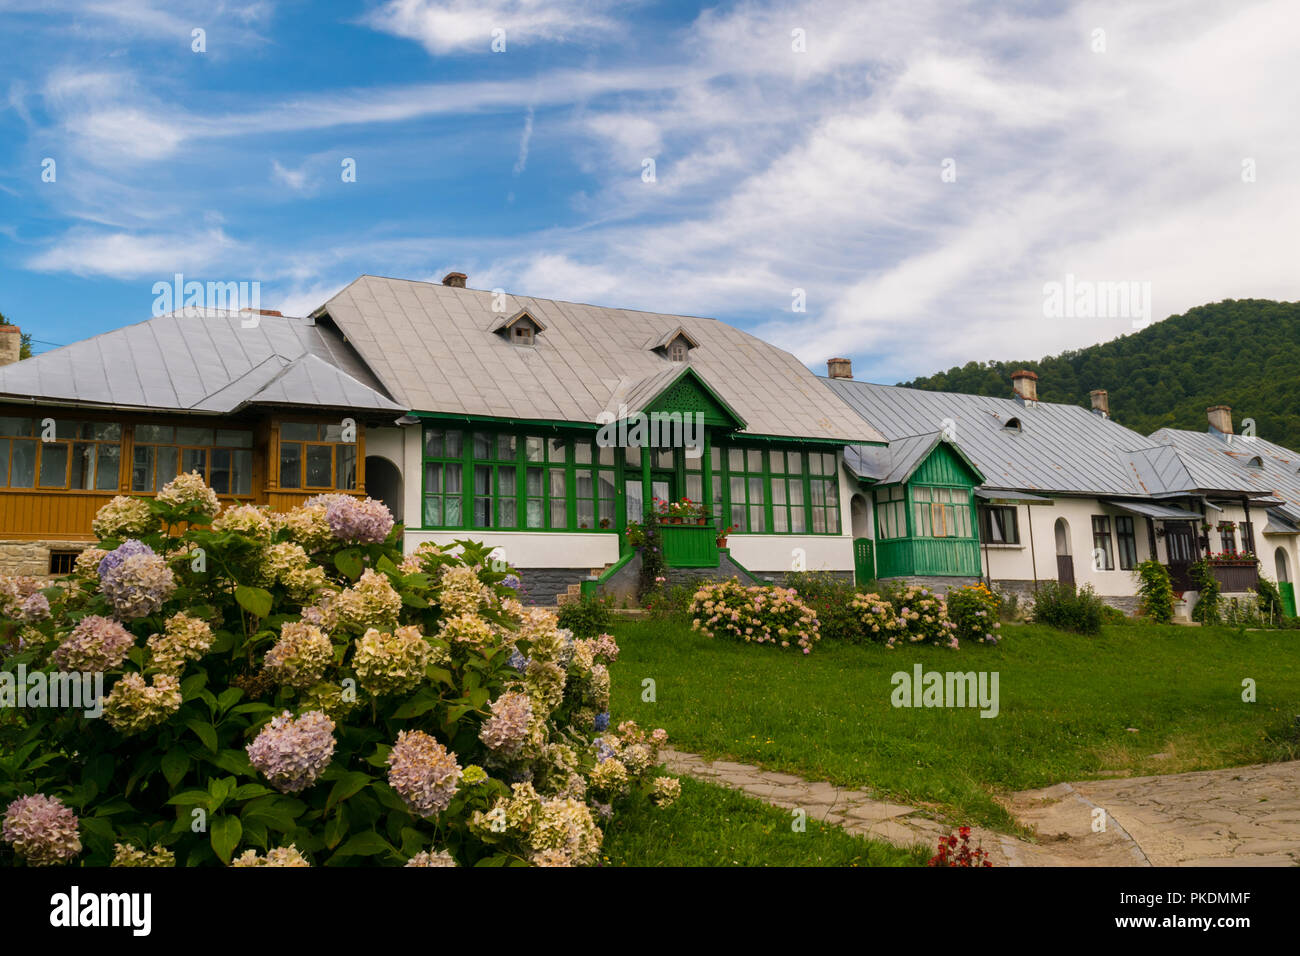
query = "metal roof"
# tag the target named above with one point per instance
(201, 361)
(897, 462)
(1058, 448)
(1214, 461)
(1148, 510)
(431, 347)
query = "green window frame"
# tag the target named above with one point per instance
(494, 479)
(780, 490)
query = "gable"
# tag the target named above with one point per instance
(688, 394)
(944, 466)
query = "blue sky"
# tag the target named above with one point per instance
(1113, 157)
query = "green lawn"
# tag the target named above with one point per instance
(1066, 703)
(713, 826)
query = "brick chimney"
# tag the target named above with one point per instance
(1220, 417)
(1100, 402)
(839, 368)
(1025, 384)
(455, 279)
(11, 344)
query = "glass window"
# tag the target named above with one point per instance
(1102, 559)
(312, 456)
(1126, 541)
(80, 455)
(999, 525)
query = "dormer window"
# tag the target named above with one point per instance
(521, 328)
(1012, 425)
(674, 345)
(1256, 462)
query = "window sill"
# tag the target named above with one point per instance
(1002, 547)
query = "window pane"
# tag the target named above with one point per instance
(17, 427)
(735, 459)
(533, 448)
(779, 520)
(559, 519)
(533, 482)
(241, 472)
(661, 458)
(756, 519)
(109, 431)
(290, 465)
(232, 438)
(556, 451)
(4, 462)
(586, 513)
(320, 461)
(83, 466)
(432, 478)
(632, 455)
(345, 466)
(605, 455)
(54, 465)
(797, 520)
(557, 483)
(586, 487)
(582, 452)
(756, 491)
(451, 477)
(108, 467)
(432, 510)
(506, 481)
(195, 436)
(482, 480)
(168, 456)
(506, 447)
(506, 512)
(289, 431)
(695, 487)
(452, 512)
(754, 460)
(533, 515)
(454, 444)
(192, 459)
(482, 446)
(219, 480)
(635, 506)
(158, 434)
(433, 444)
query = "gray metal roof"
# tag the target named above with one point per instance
(895, 463)
(1058, 448)
(431, 347)
(202, 361)
(1065, 449)
(1216, 463)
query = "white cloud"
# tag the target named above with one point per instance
(127, 256)
(457, 26)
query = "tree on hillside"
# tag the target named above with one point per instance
(26, 346)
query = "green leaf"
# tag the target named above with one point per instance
(188, 798)
(346, 787)
(233, 761)
(348, 561)
(336, 828)
(255, 601)
(225, 833)
(229, 697)
(420, 703)
(191, 685)
(250, 790)
(205, 732)
(368, 843)
(175, 763)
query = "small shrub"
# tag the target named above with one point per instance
(974, 609)
(877, 618)
(757, 615)
(1270, 601)
(665, 602)
(1207, 609)
(1068, 608)
(832, 599)
(654, 574)
(588, 616)
(1156, 591)
(925, 615)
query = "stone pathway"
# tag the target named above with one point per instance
(1245, 816)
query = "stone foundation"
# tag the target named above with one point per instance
(543, 585)
(32, 558)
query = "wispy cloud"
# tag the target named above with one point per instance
(457, 26)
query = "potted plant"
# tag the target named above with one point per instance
(721, 540)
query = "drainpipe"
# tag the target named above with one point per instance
(1033, 555)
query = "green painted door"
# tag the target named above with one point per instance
(1287, 590)
(864, 560)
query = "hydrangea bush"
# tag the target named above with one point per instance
(908, 614)
(974, 610)
(755, 614)
(290, 690)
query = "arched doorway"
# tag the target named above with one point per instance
(1282, 562)
(1064, 553)
(860, 516)
(384, 483)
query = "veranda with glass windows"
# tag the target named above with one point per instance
(510, 477)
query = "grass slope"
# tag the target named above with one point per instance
(714, 826)
(1066, 705)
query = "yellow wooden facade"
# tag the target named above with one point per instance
(66, 514)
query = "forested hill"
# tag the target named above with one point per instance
(1239, 352)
